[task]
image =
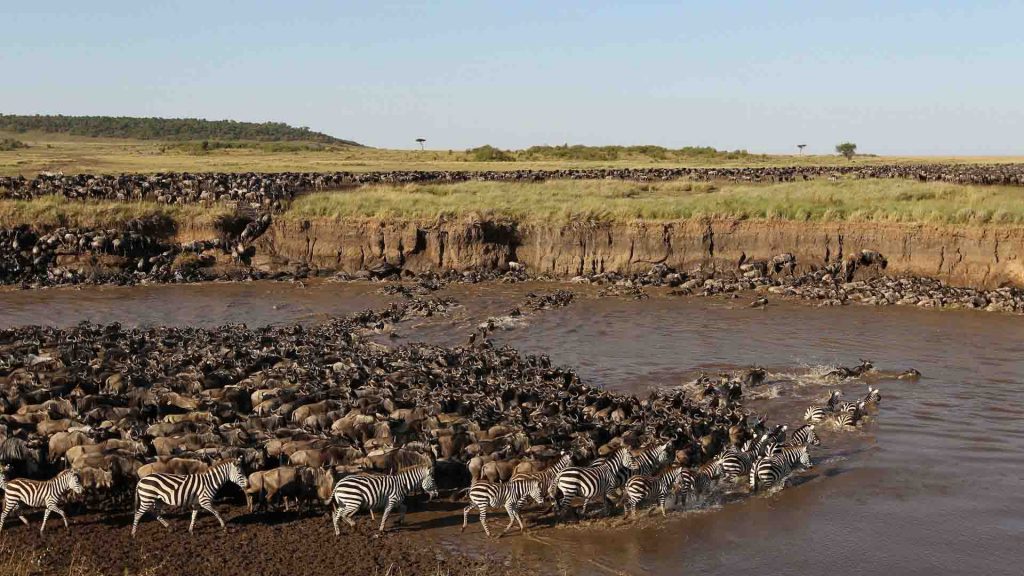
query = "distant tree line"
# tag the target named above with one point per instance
(165, 129)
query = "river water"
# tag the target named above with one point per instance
(933, 484)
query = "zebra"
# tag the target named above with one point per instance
(193, 490)
(651, 460)
(849, 418)
(699, 481)
(805, 435)
(511, 495)
(736, 463)
(545, 477)
(777, 435)
(38, 494)
(354, 493)
(769, 470)
(590, 482)
(642, 487)
(873, 396)
(819, 413)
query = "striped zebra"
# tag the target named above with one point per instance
(590, 482)
(653, 459)
(644, 487)
(873, 396)
(648, 462)
(776, 436)
(193, 490)
(363, 491)
(736, 463)
(849, 418)
(820, 413)
(544, 477)
(804, 435)
(699, 482)
(38, 494)
(511, 495)
(770, 470)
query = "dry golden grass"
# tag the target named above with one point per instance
(618, 201)
(71, 154)
(53, 211)
(565, 201)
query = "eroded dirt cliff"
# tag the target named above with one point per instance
(974, 256)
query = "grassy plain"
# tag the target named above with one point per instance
(619, 201)
(72, 154)
(561, 202)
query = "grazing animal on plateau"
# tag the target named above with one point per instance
(511, 495)
(771, 470)
(643, 487)
(358, 492)
(46, 494)
(590, 482)
(195, 490)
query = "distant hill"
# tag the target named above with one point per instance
(165, 129)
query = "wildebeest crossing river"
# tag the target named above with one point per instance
(932, 484)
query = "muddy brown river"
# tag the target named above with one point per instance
(934, 484)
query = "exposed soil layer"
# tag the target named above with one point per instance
(978, 257)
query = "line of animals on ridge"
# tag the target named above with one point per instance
(644, 477)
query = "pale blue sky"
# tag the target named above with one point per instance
(895, 77)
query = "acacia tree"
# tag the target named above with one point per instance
(420, 141)
(847, 149)
(801, 147)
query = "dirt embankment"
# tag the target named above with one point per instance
(979, 257)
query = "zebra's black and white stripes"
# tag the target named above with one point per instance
(819, 413)
(653, 459)
(545, 477)
(736, 463)
(46, 494)
(194, 490)
(590, 482)
(805, 435)
(644, 487)
(770, 470)
(363, 491)
(511, 495)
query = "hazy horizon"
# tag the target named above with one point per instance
(912, 79)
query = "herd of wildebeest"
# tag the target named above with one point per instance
(265, 191)
(132, 417)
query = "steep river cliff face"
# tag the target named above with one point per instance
(974, 256)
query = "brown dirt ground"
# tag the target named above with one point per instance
(269, 543)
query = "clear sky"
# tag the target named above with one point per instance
(920, 77)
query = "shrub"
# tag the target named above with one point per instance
(10, 144)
